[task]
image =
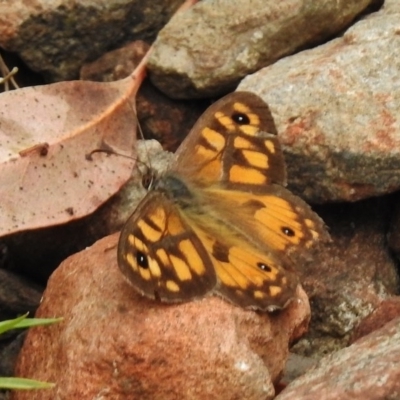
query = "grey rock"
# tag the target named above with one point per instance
(56, 37)
(17, 295)
(349, 277)
(367, 370)
(9, 354)
(337, 112)
(208, 49)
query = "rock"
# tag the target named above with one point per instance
(9, 353)
(386, 311)
(394, 229)
(115, 343)
(4, 395)
(208, 49)
(348, 278)
(17, 295)
(296, 366)
(336, 107)
(392, 6)
(57, 37)
(168, 121)
(115, 64)
(368, 370)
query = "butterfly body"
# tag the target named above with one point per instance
(176, 190)
(219, 221)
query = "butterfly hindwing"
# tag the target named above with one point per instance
(160, 254)
(254, 280)
(271, 216)
(248, 276)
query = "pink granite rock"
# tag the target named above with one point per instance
(115, 344)
(368, 370)
(336, 110)
(389, 309)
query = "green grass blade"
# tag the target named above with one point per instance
(23, 384)
(23, 322)
(11, 323)
(30, 322)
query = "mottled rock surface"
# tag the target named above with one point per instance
(336, 107)
(117, 344)
(56, 37)
(350, 277)
(208, 49)
(368, 370)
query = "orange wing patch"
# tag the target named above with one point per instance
(274, 218)
(247, 276)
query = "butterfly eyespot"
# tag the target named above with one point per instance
(287, 231)
(264, 267)
(241, 118)
(142, 260)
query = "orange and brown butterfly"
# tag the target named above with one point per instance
(219, 221)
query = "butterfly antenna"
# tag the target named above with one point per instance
(140, 135)
(108, 151)
(148, 175)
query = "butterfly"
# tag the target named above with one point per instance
(220, 220)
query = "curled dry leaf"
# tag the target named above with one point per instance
(46, 133)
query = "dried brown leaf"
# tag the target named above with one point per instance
(46, 133)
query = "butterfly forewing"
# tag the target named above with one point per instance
(234, 143)
(160, 254)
